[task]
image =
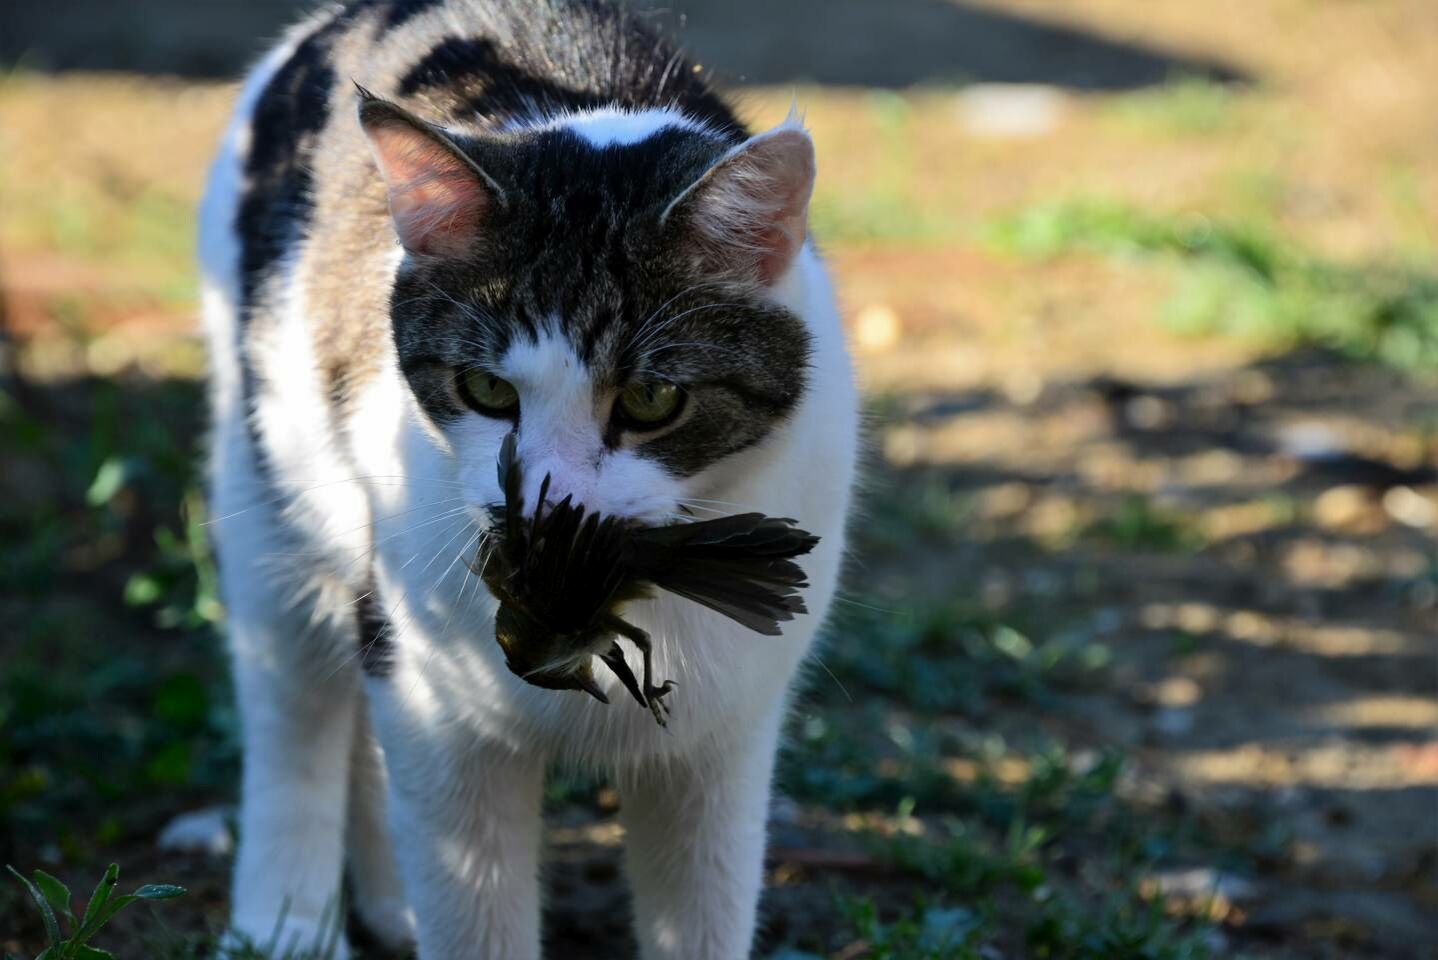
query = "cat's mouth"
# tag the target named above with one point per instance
(563, 576)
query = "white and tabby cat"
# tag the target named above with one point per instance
(540, 222)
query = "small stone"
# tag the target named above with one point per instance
(877, 328)
(1342, 507)
(1199, 882)
(1177, 692)
(1173, 721)
(1023, 387)
(1010, 111)
(199, 831)
(1410, 507)
(785, 810)
(1253, 387)
(1311, 442)
(1147, 412)
(904, 445)
(1007, 499)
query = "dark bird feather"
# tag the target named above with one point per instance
(563, 576)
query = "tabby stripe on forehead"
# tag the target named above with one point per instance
(400, 11)
(474, 77)
(376, 636)
(478, 75)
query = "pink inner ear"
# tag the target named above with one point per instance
(751, 210)
(436, 199)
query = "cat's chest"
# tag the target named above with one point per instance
(448, 671)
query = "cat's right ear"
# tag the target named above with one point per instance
(439, 199)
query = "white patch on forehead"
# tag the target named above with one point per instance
(550, 377)
(558, 430)
(616, 126)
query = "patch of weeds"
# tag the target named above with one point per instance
(1059, 790)
(926, 932)
(52, 900)
(84, 726)
(861, 760)
(1241, 280)
(1187, 106)
(967, 864)
(113, 222)
(105, 725)
(1402, 188)
(181, 583)
(1023, 888)
(953, 656)
(1137, 524)
(323, 947)
(927, 511)
(884, 210)
(878, 216)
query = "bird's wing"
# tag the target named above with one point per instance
(741, 566)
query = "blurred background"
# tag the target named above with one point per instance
(1137, 658)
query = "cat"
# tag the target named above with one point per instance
(430, 225)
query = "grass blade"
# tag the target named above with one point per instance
(159, 891)
(52, 926)
(98, 900)
(57, 893)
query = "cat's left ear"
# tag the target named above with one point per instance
(748, 215)
(439, 198)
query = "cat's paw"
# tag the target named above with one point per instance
(388, 919)
(262, 938)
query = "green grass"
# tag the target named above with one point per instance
(884, 210)
(1243, 280)
(114, 712)
(1184, 107)
(996, 863)
(67, 934)
(1137, 524)
(899, 726)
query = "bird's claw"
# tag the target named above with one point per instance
(654, 697)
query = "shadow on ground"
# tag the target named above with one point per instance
(896, 43)
(1268, 683)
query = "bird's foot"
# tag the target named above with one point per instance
(654, 698)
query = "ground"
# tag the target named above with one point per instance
(1136, 657)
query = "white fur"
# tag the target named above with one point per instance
(466, 743)
(617, 126)
(288, 629)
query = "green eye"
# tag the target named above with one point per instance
(650, 404)
(487, 393)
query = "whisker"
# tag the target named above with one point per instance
(639, 344)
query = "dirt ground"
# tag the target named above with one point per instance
(1234, 535)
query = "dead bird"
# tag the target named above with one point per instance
(563, 576)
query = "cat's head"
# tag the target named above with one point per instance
(606, 287)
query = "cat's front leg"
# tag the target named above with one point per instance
(297, 689)
(465, 815)
(298, 729)
(694, 846)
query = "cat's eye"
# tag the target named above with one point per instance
(651, 404)
(487, 393)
